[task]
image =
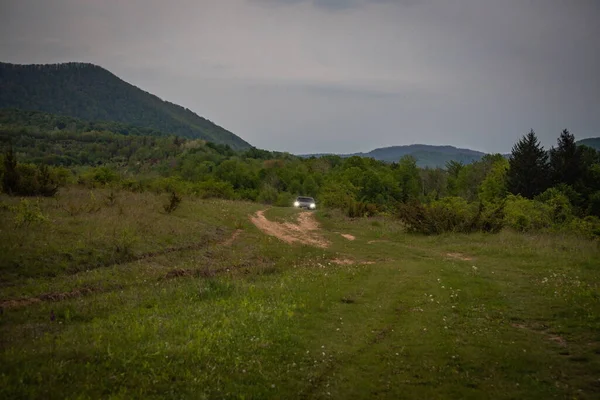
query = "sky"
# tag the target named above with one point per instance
(340, 76)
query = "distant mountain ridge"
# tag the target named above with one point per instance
(426, 155)
(590, 142)
(433, 156)
(92, 93)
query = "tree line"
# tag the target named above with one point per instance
(532, 189)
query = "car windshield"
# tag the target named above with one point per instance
(306, 199)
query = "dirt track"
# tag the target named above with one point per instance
(304, 232)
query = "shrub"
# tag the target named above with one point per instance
(173, 203)
(215, 189)
(523, 215)
(451, 214)
(284, 199)
(490, 218)
(339, 195)
(248, 194)
(268, 195)
(588, 226)
(123, 243)
(27, 213)
(31, 180)
(132, 185)
(97, 177)
(558, 205)
(169, 185)
(358, 209)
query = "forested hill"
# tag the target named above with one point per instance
(594, 143)
(92, 93)
(426, 155)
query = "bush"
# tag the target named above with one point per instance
(588, 226)
(284, 199)
(97, 177)
(248, 194)
(524, 215)
(27, 213)
(359, 209)
(169, 185)
(558, 205)
(173, 203)
(340, 195)
(451, 214)
(132, 185)
(267, 195)
(31, 180)
(214, 189)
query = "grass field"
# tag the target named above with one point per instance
(105, 295)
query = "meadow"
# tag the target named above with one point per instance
(106, 294)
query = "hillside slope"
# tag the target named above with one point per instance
(92, 93)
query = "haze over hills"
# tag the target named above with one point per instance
(92, 93)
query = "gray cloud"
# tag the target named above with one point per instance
(342, 76)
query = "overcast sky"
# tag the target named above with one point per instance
(339, 75)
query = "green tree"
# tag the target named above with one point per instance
(310, 187)
(453, 168)
(408, 178)
(565, 160)
(493, 187)
(435, 182)
(528, 171)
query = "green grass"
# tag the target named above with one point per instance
(185, 314)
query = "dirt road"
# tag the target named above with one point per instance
(305, 231)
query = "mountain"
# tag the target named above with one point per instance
(591, 142)
(92, 93)
(426, 155)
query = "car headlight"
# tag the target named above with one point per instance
(312, 205)
(296, 204)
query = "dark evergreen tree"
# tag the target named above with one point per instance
(10, 180)
(528, 172)
(565, 160)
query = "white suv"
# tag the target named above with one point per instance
(305, 202)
